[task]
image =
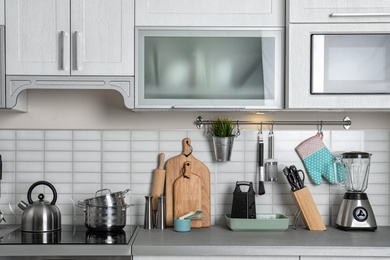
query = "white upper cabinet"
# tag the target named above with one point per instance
(70, 37)
(340, 11)
(210, 13)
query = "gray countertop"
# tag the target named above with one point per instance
(219, 240)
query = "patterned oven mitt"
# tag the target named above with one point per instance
(318, 160)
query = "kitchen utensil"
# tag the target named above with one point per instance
(311, 215)
(187, 193)
(41, 215)
(355, 210)
(160, 216)
(271, 165)
(261, 162)
(105, 218)
(182, 225)
(294, 178)
(158, 181)
(148, 218)
(173, 171)
(243, 205)
(191, 214)
(262, 222)
(109, 199)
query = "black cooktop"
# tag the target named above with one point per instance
(70, 234)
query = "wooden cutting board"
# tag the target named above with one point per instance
(173, 170)
(187, 194)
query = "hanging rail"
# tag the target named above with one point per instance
(346, 123)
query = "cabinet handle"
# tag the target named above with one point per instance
(207, 107)
(77, 46)
(359, 14)
(63, 49)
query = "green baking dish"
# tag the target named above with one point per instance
(262, 222)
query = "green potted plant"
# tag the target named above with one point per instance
(222, 132)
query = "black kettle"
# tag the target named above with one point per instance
(40, 215)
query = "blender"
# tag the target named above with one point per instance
(355, 210)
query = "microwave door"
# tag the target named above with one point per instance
(350, 64)
(318, 61)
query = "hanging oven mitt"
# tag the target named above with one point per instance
(318, 160)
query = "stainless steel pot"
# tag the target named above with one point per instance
(41, 215)
(110, 199)
(105, 218)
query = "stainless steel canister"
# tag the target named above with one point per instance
(148, 221)
(160, 218)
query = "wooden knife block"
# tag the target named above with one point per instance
(309, 210)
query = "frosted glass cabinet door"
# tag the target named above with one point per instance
(221, 69)
(37, 37)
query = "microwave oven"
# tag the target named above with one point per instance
(338, 66)
(209, 68)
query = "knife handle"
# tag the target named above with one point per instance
(261, 154)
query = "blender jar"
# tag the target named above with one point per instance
(356, 167)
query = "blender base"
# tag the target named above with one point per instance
(356, 213)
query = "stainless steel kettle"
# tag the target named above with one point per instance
(41, 215)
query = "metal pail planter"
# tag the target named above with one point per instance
(223, 147)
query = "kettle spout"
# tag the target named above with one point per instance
(22, 205)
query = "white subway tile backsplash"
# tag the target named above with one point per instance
(30, 134)
(116, 135)
(26, 145)
(58, 156)
(145, 135)
(7, 134)
(87, 145)
(87, 156)
(58, 135)
(87, 167)
(144, 146)
(80, 162)
(87, 135)
(7, 145)
(30, 156)
(123, 146)
(116, 167)
(58, 145)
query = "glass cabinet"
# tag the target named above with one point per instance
(209, 68)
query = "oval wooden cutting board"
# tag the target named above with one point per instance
(173, 170)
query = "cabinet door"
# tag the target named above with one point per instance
(210, 13)
(102, 37)
(34, 42)
(340, 11)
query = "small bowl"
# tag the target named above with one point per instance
(182, 225)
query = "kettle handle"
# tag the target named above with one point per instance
(53, 202)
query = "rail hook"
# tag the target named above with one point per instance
(320, 128)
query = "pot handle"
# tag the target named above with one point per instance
(53, 202)
(96, 193)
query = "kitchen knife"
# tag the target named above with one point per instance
(261, 164)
